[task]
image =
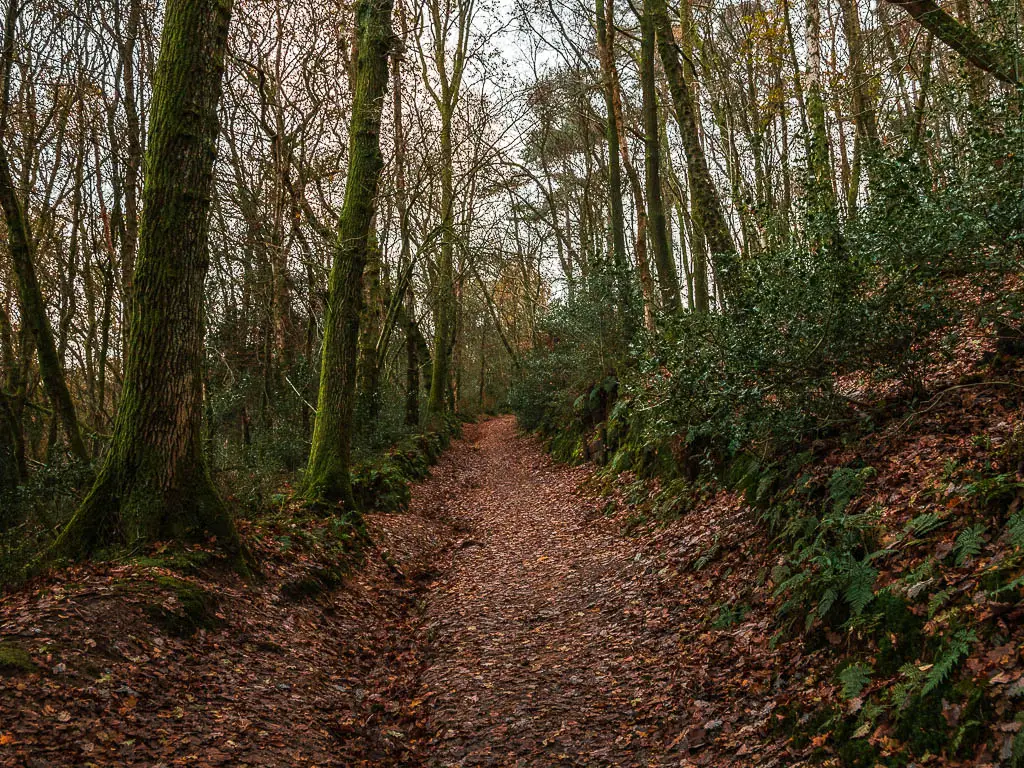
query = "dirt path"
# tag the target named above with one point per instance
(500, 621)
(542, 646)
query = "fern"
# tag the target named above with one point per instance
(854, 679)
(957, 648)
(936, 601)
(828, 599)
(969, 543)
(859, 588)
(847, 483)
(708, 555)
(1015, 529)
(904, 690)
(1017, 751)
(1011, 586)
(925, 523)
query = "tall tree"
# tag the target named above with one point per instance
(707, 205)
(445, 95)
(327, 474)
(412, 361)
(698, 243)
(821, 204)
(668, 280)
(605, 43)
(154, 484)
(22, 247)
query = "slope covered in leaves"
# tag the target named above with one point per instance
(525, 612)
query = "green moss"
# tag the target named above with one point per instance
(187, 562)
(14, 660)
(196, 608)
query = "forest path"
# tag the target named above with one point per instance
(542, 647)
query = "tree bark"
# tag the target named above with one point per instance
(412, 360)
(327, 474)
(822, 214)
(20, 243)
(446, 98)
(962, 39)
(708, 213)
(374, 316)
(668, 280)
(616, 213)
(154, 484)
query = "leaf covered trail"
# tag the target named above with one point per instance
(543, 645)
(502, 620)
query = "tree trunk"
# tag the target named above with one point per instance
(327, 474)
(707, 212)
(12, 443)
(962, 39)
(864, 115)
(371, 325)
(695, 231)
(637, 189)
(821, 203)
(444, 332)
(617, 223)
(154, 484)
(668, 280)
(412, 367)
(15, 391)
(19, 241)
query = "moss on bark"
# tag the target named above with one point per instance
(327, 474)
(154, 484)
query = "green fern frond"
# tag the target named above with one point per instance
(1015, 529)
(925, 523)
(969, 543)
(859, 588)
(855, 679)
(828, 599)
(957, 648)
(936, 601)
(910, 683)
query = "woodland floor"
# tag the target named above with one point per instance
(520, 613)
(503, 620)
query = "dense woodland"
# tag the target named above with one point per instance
(261, 259)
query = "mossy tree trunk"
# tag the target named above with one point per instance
(412, 361)
(371, 325)
(154, 484)
(445, 315)
(708, 214)
(963, 40)
(12, 436)
(866, 140)
(327, 474)
(822, 221)
(617, 223)
(22, 247)
(668, 280)
(10, 472)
